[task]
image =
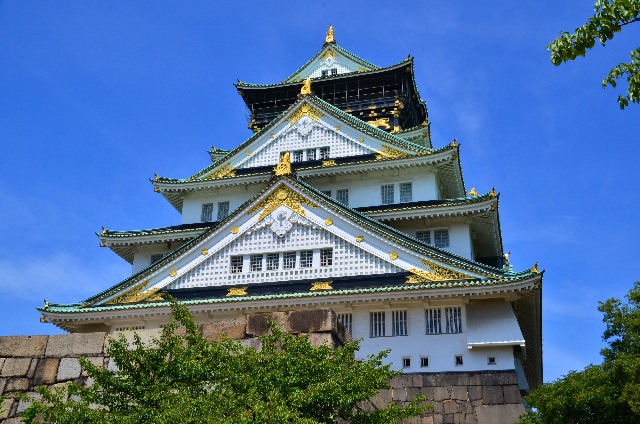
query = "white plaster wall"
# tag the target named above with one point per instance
(460, 240)
(236, 196)
(142, 255)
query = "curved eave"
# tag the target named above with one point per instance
(467, 206)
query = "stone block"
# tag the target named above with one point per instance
(498, 378)
(427, 420)
(431, 380)
(492, 395)
(311, 321)
(24, 403)
(459, 393)
(511, 394)
(13, 421)
(254, 343)
(232, 328)
(75, 344)
(23, 345)
(398, 381)
(20, 384)
(455, 379)
(438, 419)
(98, 361)
(429, 392)
(448, 419)
(465, 407)
(5, 408)
(68, 369)
(412, 392)
(475, 392)
(46, 371)
(146, 335)
(257, 324)
(450, 406)
(15, 367)
(438, 408)
(382, 399)
(319, 339)
(441, 393)
(458, 418)
(499, 414)
(470, 419)
(399, 394)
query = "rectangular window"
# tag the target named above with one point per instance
(323, 153)
(236, 264)
(289, 260)
(342, 196)
(491, 360)
(459, 360)
(223, 210)
(399, 323)
(311, 154)
(376, 328)
(156, 257)
(406, 362)
(441, 238)
(433, 321)
(297, 156)
(255, 262)
(453, 318)
(424, 236)
(306, 258)
(207, 212)
(326, 257)
(406, 192)
(347, 321)
(334, 71)
(273, 261)
(324, 72)
(424, 361)
(386, 192)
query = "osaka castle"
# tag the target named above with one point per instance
(337, 199)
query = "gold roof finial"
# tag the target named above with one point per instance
(454, 143)
(306, 87)
(104, 230)
(472, 192)
(329, 38)
(534, 268)
(284, 167)
(492, 193)
(46, 304)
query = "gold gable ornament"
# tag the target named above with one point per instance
(329, 38)
(324, 285)
(472, 192)
(237, 291)
(306, 87)
(284, 167)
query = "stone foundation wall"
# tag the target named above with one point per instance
(27, 362)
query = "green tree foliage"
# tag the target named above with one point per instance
(183, 378)
(609, 18)
(606, 393)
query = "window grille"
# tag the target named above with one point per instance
(342, 196)
(386, 192)
(406, 362)
(326, 257)
(236, 264)
(255, 262)
(289, 260)
(424, 361)
(156, 257)
(306, 258)
(424, 236)
(273, 261)
(491, 360)
(311, 154)
(406, 192)
(323, 153)
(399, 323)
(223, 210)
(324, 72)
(347, 321)
(376, 324)
(459, 360)
(334, 71)
(297, 156)
(454, 320)
(433, 321)
(207, 212)
(441, 238)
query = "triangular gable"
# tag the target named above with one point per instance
(311, 125)
(331, 56)
(290, 216)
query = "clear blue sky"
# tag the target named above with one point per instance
(96, 96)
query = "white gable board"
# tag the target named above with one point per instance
(330, 59)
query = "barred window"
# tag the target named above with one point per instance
(255, 262)
(441, 238)
(156, 257)
(459, 360)
(334, 71)
(288, 260)
(306, 258)
(424, 236)
(207, 212)
(406, 362)
(342, 196)
(296, 156)
(324, 72)
(424, 361)
(376, 324)
(326, 257)
(433, 321)
(347, 321)
(406, 192)
(223, 210)
(454, 320)
(311, 154)
(323, 153)
(386, 192)
(399, 322)
(272, 261)
(236, 264)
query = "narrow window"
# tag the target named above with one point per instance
(424, 236)
(347, 321)
(386, 192)
(273, 261)
(406, 362)
(324, 72)
(376, 328)
(223, 210)
(296, 156)
(459, 360)
(255, 262)
(453, 318)
(236, 264)
(441, 238)
(334, 71)
(289, 260)
(399, 323)
(156, 257)
(342, 196)
(323, 153)
(326, 257)
(207, 212)
(306, 259)
(406, 192)
(311, 154)
(433, 321)
(491, 360)
(424, 361)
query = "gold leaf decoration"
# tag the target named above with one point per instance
(390, 153)
(324, 285)
(283, 196)
(360, 239)
(173, 272)
(225, 171)
(205, 252)
(328, 221)
(305, 110)
(329, 162)
(380, 122)
(136, 294)
(237, 291)
(234, 230)
(442, 273)
(393, 255)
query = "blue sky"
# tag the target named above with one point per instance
(97, 96)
